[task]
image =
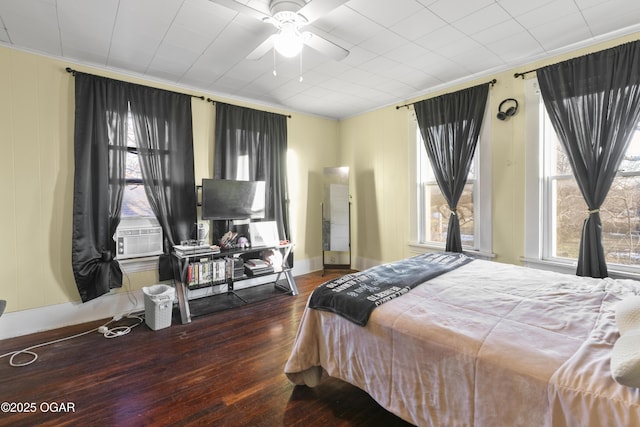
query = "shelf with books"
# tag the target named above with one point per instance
(204, 268)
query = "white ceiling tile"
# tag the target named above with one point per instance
(87, 27)
(452, 10)
(4, 36)
(265, 83)
(478, 59)
(383, 42)
(407, 53)
(553, 36)
(441, 37)
(398, 89)
(386, 13)
(186, 38)
(230, 84)
(482, 19)
(548, 13)
(498, 32)
(398, 50)
(204, 16)
(518, 7)
(457, 47)
(418, 25)
(352, 27)
(586, 4)
(357, 56)
(380, 65)
(601, 21)
(440, 67)
(515, 47)
(32, 25)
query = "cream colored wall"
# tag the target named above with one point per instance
(36, 171)
(375, 146)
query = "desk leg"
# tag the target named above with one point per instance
(183, 302)
(291, 281)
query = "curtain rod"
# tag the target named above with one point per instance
(516, 75)
(492, 82)
(73, 73)
(288, 116)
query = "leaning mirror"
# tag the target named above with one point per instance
(336, 207)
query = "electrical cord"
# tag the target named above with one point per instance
(114, 332)
(107, 332)
(118, 331)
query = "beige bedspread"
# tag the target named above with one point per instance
(487, 344)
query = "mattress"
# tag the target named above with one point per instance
(486, 344)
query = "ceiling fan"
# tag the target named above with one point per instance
(289, 17)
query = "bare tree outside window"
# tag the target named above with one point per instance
(434, 211)
(134, 200)
(620, 213)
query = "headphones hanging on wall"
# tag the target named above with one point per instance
(511, 111)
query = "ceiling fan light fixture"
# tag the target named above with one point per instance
(288, 42)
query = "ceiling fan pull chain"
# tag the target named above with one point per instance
(300, 80)
(275, 74)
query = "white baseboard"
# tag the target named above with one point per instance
(24, 322)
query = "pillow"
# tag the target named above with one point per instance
(625, 356)
(628, 314)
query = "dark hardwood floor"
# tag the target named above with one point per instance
(223, 369)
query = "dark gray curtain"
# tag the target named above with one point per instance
(594, 105)
(450, 125)
(262, 136)
(100, 139)
(164, 134)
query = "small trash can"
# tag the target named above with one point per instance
(158, 305)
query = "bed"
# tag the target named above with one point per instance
(485, 344)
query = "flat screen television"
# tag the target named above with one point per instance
(227, 199)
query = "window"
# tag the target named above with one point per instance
(429, 212)
(566, 208)
(136, 214)
(433, 209)
(556, 209)
(134, 200)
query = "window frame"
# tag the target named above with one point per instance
(539, 206)
(143, 263)
(481, 197)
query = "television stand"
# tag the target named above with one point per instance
(205, 269)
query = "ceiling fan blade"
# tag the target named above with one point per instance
(259, 14)
(262, 49)
(325, 46)
(316, 9)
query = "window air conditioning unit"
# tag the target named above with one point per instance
(138, 241)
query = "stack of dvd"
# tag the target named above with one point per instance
(255, 267)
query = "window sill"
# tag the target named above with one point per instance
(137, 265)
(420, 248)
(569, 267)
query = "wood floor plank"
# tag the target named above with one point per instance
(223, 369)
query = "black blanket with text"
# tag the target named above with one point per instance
(354, 296)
